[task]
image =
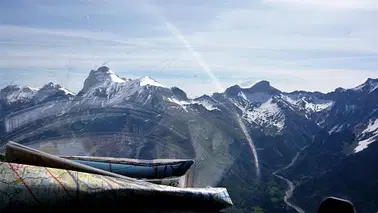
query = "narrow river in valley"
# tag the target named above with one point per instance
(291, 187)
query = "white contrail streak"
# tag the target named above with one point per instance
(176, 32)
(179, 36)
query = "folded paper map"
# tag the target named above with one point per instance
(34, 180)
(23, 187)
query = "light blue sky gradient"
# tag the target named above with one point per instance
(295, 44)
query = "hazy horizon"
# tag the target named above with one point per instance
(201, 47)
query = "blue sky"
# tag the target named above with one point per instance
(200, 46)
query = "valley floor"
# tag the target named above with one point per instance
(291, 186)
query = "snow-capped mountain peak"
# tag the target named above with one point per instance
(101, 77)
(104, 87)
(51, 87)
(146, 80)
(15, 93)
(51, 90)
(267, 106)
(12, 88)
(370, 85)
(104, 73)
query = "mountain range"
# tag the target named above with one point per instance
(324, 143)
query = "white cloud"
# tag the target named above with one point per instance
(276, 40)
(329, 4)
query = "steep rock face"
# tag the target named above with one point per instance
(352, 177)
(353, 106)
(102, 76)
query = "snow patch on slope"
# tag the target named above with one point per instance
(372, 130)
(104, 73)
(315, 105)
(372, 126)
(183, 104)
(255, 97)
(114, 78)
(242, 95)
(149, 81)
(374, 87)
(336, 128)
(66, 91)
(206, 104)
(363, 144)
(268, 114)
